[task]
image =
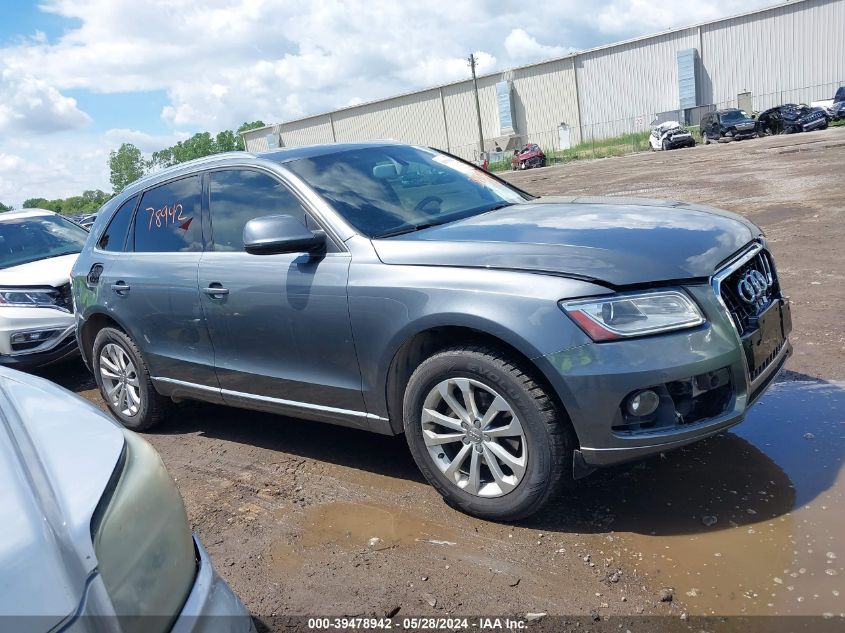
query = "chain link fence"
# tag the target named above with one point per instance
(628, 135)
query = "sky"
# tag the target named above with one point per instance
(80, 77)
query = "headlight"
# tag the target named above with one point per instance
(29, 297)
(144, 548)
(626, 315)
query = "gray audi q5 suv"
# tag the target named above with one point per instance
(517, 342)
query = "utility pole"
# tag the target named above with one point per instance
(472, 62)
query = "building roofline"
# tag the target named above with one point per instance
(573, 55)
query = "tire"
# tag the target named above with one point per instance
(142, 407)
(544, 443)
(665, 145)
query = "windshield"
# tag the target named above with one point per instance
(735, 115)
(27, 239)
(390, 190)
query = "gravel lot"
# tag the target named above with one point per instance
(288, 508)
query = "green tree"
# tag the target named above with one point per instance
(35, 203)
(226, 141)
(126, 166)
(88, 202)
(6, 207)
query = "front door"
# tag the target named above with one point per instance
(279, 323)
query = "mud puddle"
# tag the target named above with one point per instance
(750, 522)
(355, 526)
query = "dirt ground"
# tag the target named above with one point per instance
(289, 510)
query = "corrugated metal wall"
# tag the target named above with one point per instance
(789, 53)
(629, 81)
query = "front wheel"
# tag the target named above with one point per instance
(124, 381)
(485, 434)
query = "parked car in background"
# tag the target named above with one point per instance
(728, 124)
(791, 118)
(516, 342)
(87, 221)
(37, 250)
(94, 526)
(828, 104)
(670, 135)
(837, 111)
(529, 156)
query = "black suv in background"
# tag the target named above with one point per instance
(791, 118)
(731, 123)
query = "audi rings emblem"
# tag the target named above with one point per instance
(752, 287)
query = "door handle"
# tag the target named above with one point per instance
(215, 289)
(120, 287)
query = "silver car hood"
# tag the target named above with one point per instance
(615, 241)
(57, 453)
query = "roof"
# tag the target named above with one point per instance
(288, 154)
(25, 213)
(239, 158)
(187, 166)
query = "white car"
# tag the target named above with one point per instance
(37, 250)
(670, 135)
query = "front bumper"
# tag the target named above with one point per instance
(211, 606)
(594, 379)
(60, 345)
(684, 141)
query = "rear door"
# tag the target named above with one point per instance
(279, 323)
(152, 290)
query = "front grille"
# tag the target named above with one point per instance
(743, 313)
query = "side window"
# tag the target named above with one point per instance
(238, 195)
(168, 218)
(115, 234)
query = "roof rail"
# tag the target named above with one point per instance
(190, 163)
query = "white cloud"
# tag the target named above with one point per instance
(31, 105)
(222, 62)
(147, 143)
(522, 47)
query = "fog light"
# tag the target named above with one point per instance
(31, 337)
(643, 403)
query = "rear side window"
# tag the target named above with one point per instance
(168, 219)
(114, 236)
(238, 195)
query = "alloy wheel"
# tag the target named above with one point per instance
(474, 437)
(121, 385)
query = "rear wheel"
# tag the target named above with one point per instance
(485, 434)
(124, 381)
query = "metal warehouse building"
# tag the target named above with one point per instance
(792, 52)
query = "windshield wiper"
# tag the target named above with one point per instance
(408, 229)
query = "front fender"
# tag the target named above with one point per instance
(389, 305)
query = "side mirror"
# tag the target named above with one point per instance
(275, 234)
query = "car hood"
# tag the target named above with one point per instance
(53, 271)
(612, 240)
(57, 454)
